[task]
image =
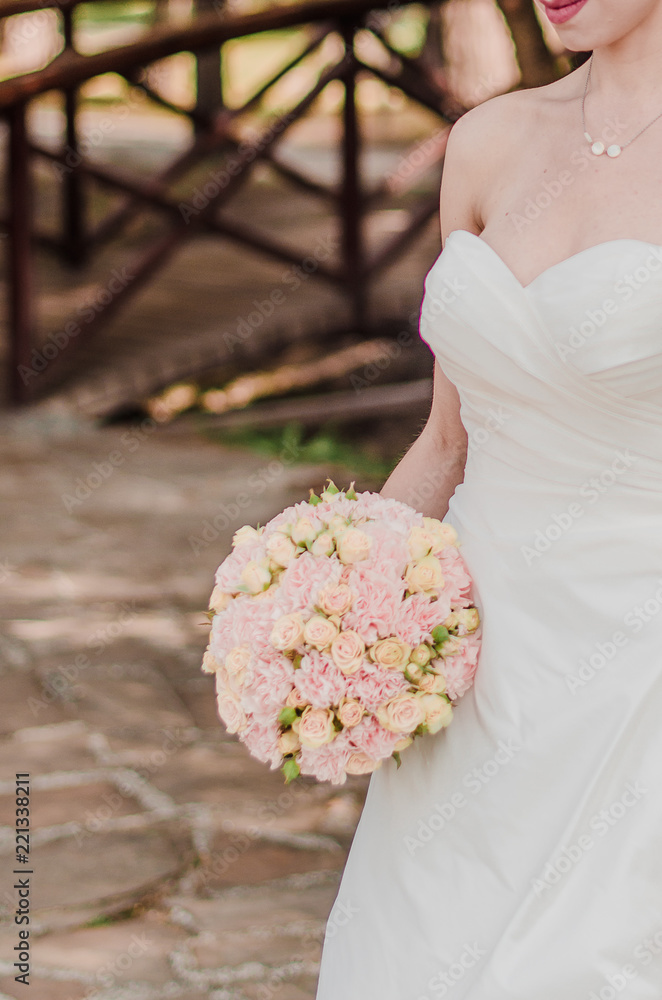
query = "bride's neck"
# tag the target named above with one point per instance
(628, 73)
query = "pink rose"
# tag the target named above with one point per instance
(319, 681)
(347, 651)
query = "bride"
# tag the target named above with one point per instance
(517, 855)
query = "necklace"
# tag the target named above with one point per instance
(597, 146)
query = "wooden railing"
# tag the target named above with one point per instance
(215, 132)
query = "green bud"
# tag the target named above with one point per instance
(290, 769)
(287, 715)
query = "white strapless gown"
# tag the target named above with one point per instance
(517, 855)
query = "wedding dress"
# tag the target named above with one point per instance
(517, 855)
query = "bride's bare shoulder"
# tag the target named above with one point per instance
(509, 117)
(486, 142)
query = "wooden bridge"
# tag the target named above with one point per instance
(207, 189)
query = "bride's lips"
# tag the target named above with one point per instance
(560, 11)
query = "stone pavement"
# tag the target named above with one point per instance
(167, 863)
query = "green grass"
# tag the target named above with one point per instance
(328, 446)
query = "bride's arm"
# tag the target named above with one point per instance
(433, 466)
(428, 473)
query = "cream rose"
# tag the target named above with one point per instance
(236, 662)
(421, 655)
(353, 545)
(245, 535)
(424, 576)
(303, 531)
(219, 600)
(323, 545)
(438, 711)
(433, 683)
(287, 632)
(403, 743)
(391, 653)
(452, 646)
(295, 700)
(255, 577)
(337, 523)
(288, 742)
(414, 672)
(445, 533)
(335, 600)
(319, 632)
(350, 712)
(468, 620)
(347, 651)
(209, 662)
(401, 714)
(359, 763)
(280, 548)
(316, 727)
(421, 542)
(231, 712)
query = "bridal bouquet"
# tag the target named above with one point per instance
(341, 630)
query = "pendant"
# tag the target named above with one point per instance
(614, 150)
(597, 148)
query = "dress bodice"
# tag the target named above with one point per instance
(574, 358)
